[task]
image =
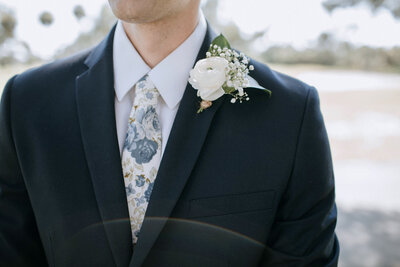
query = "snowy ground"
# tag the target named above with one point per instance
(362, 116)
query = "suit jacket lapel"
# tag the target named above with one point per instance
(95, 101)
(184, 144)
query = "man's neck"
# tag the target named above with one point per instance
(156, 40)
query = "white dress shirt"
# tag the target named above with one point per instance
(170, 77)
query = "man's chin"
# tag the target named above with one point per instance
(135, 18)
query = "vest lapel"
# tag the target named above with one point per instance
(184, 144)
(95, 100)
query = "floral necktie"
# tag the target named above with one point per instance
(142, 152)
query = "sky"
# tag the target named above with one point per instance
(294, 22)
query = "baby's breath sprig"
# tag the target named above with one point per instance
(237, 71)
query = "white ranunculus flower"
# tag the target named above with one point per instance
(208, 76)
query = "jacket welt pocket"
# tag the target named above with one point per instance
(230, 204)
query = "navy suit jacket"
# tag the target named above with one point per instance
(246, 184)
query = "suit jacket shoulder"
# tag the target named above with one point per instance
(48, 78)
(282, 86)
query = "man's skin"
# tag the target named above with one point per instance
(149, 23)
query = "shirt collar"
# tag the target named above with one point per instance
(170, 76)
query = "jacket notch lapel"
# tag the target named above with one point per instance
(95, 103)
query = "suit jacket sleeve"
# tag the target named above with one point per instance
(20, 244)
(303, 232)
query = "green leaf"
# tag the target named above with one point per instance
(228, 90)
(269, 93)
(221, 41)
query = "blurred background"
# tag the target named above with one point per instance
(348, 49)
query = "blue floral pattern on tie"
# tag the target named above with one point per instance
(147, 193)
(142, 152)
(139, 136)
(140, 180)
(130, 190)
(140, 201)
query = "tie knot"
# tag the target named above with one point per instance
(146, 92)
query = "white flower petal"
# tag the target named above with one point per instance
(211, 95)
(208, 77)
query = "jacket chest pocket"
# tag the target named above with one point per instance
(231, 204)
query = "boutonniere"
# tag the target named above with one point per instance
(223, 71)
